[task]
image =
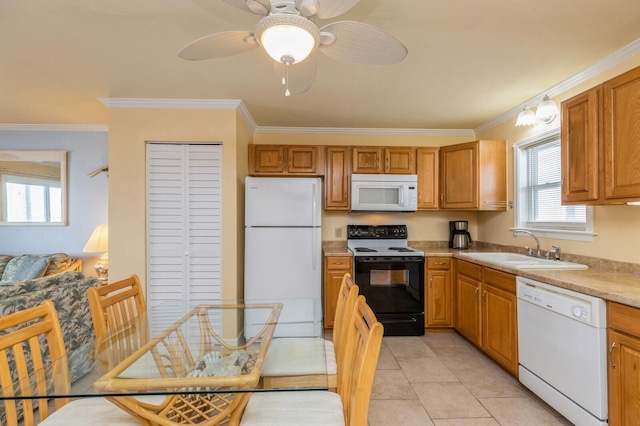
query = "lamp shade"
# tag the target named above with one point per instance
(99, 240)
(547, 110)
(526, 117)
(287, 36)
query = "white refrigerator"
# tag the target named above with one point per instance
(283, 252)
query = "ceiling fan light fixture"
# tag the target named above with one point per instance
(526, 117)
(287, 36)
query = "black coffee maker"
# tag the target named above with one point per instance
(459, 237)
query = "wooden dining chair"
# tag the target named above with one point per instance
(119, 306)
(289, 362)
(350, 405)
(29, 340)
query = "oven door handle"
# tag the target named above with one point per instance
(397, 321)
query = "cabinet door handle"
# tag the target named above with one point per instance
(613, 346)
(484, 296)
(431, 282)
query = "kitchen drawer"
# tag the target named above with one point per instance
(501, 280)
(471, 270)
(624, 318)
(338, 262)
(438, 263)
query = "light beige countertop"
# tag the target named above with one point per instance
(609, 280)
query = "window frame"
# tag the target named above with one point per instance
(520, 218)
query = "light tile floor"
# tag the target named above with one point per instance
(441, 379)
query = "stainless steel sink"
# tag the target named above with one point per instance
(521, 261)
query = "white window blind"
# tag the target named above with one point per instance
(184, 227)
(539, 189)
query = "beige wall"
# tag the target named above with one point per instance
(618, 227)
(129, 130)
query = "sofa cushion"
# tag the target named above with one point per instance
(58, 262)
(25, 267)
(4, 259)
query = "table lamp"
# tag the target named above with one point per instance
(99, 243)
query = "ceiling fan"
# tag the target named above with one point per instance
(287, 32)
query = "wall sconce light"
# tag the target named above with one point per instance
(545, 113)
(526, 117)
(99, 243)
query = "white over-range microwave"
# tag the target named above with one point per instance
(384, 193)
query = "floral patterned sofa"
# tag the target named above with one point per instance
(62, 282)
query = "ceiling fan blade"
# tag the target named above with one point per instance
(258, 7)
(361, 43)
(218, 45)
(301, 75)
(331, 8)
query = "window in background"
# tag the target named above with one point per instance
(538, 183)
(31, 199)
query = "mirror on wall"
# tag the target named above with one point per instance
(33, 188)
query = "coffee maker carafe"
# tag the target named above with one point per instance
(459, 237)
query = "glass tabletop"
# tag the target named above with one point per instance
(194, 348)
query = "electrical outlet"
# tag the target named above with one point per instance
(338, 232)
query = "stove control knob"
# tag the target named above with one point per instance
(576, 311)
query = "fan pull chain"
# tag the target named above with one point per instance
(287, 93)
(286, 61)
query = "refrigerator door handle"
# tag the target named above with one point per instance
(314, 205)
(314, 250)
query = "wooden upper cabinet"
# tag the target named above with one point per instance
(286, 159)
(366, 159)
(621, 137)
(372, 159)
(400, 160)
(267, 159)
(336, 181)
(579, 147)
(427, 167)
(473, 176)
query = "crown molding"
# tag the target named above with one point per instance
(630, 50)
(236, 104)
(55, 127)
(170, 103)
(366, 131)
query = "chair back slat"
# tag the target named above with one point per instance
(119, 306)
(32, 358)
(347, 296)
(364, 339)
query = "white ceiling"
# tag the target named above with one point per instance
(469, 61)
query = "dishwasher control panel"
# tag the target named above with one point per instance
(580, 307)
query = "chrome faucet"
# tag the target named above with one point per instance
(529, 250)
(555, 250)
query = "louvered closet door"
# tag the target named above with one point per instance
(184, 223)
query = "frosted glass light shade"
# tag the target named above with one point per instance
(287, 36)
(547, 110)
(526, 118)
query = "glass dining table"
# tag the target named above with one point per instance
(192, 362)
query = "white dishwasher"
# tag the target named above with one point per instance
(562, 340)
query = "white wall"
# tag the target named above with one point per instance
(87, 197)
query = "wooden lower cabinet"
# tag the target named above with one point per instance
(438, 293)
(334, 269)
(623, 364)
(499, 318)
(468, 301)
(486, 312)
